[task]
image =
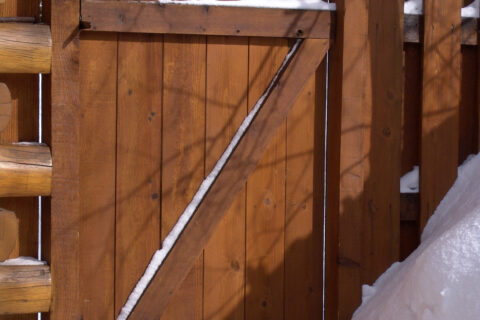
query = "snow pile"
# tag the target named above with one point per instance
(441, 278)
(276, 4)
(23, 261)
(409, 183)
(471, 11)
(413, 7)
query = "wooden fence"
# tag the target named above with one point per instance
(147, 116)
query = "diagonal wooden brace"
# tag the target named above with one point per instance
(230, 180)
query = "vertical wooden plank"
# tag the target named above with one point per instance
(98, 112)
(440, 103)
(65, 125)
(304, 202)
(381, 206)
(468, 113)
(265, 221)
(139, 123)
(183, 152)
(226, 97)
(364, 138)
(412, 101)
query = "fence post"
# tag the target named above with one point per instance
(364, 149)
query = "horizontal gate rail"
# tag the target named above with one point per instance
(153, 17)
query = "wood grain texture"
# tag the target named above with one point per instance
(22, 127)
(24, 289)
(139, 143)
(25, 48)
(414, 25)
(468, 107)
(440, 103)
(226, 97)
(25, 170)
(265, 221)
(183, 162)
(98, 121)
(205, 20)
(8, 235)
(412, 105)
(364, 138)
(5, 106)
(65, 142)
(231, 180)
(304, 202)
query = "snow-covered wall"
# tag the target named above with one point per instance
(441, 279)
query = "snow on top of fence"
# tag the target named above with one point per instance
(416, 7)
(409, 183)
(471, 11)
(276, 4)
(413, 7)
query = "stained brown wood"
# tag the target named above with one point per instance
(304, 201)
(265, 221)
(24, 289)
(139, 143)
(364, 141)
(8, 235)
(227, 85)
(230, 180)
(468, 108)
(413, 30)
(65, 109)
(98, 107)
(183, 160)
(412, 105)
(25, 170)
(205, 20)
(440, 103)
(409, 207)
(5, 106)
(22, 127)
(25, 48)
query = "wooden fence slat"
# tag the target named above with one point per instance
(139, 120)
(304, 201)
(65, 137)
(150, 17)
(414, 27)
(227, 81)
(365, 191)
(440, 103)
(412, 104)
(265, 205)
(183, 157)
(468, 113)
(22, 127)
(230, 180)
(98, 107)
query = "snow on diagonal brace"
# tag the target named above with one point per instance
(195, 227)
